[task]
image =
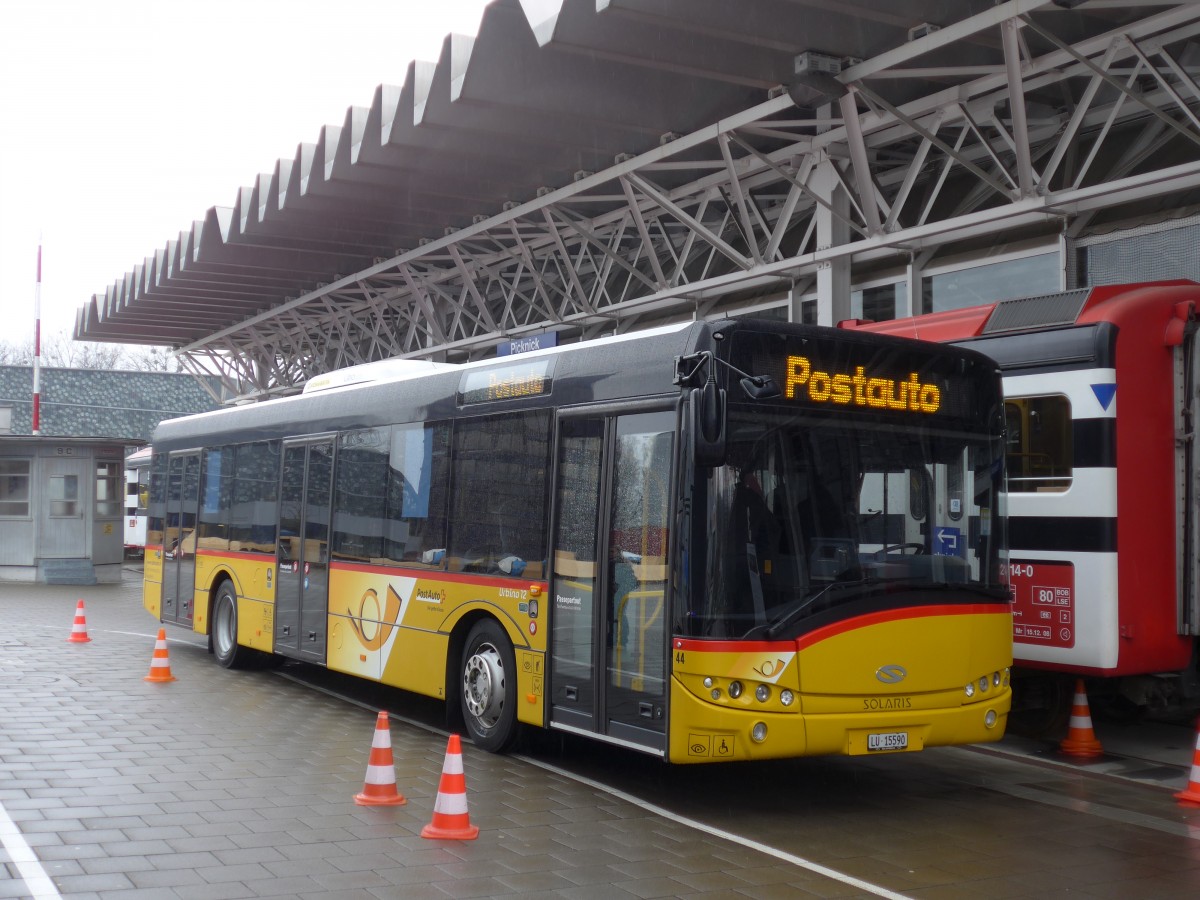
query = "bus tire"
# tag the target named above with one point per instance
(488, 689)
(228, 653)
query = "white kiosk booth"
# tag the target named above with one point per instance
(62, 491)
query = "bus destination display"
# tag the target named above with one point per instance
(858, 389)
(510, 382)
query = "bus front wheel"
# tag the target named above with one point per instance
(489, 687)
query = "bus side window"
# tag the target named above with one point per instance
(497, 503)
(255, 497)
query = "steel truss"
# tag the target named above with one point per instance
(776, 200)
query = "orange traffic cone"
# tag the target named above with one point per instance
(1081, 739)
(379, 789)
(160, 666)
(450, 818)
(79, 633)
(1190, 795)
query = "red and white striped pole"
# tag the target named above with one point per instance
(37, 348)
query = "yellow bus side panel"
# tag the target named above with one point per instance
(839, 698)
(152, 581)
(394, 626)
(253, 579)
(530, 684)
(256, 624)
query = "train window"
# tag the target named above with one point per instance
(1039, 449)
(918, 493)
(954, 488)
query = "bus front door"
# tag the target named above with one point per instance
(608, 672)
(302, 585)
(179, 538)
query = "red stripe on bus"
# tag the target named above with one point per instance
(438, 574)
(896, 615)
(236, 554)
(836, 628)
(434, 574)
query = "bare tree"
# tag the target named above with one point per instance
(60, 351)
(16, 353)
(149, 359)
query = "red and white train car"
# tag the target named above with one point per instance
(1100, 388)
(137, 494)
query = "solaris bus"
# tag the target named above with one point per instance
(709, 541)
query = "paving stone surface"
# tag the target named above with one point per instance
(228, 785)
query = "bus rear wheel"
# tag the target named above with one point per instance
(226, 649)
(489, 687)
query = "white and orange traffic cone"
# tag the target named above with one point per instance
(1190, 795)
(450, 818)
(379, 788)
(79, 633)
(160, 665)
(1081, 740)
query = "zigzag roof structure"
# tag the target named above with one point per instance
(593, 166)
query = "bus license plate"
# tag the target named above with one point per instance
(890, 740)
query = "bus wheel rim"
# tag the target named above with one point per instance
(224, 627)
(483, 685)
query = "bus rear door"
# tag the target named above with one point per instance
(608, 594)
(179, 538)
(302, 585)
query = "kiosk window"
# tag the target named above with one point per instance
(14, 488)
(108, 485)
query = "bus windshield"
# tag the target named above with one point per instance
(815, 512)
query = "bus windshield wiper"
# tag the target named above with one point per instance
(773, 629)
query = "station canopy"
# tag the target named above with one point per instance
(593, 166)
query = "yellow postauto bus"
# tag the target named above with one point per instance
(725, 540)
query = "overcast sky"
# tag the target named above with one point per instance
(122, 121)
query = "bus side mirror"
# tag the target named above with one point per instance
(708, 425)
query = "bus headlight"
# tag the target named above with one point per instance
(990, 719)
(983, 685)
(786, 697)
(759, 732)
(996, 679)
(762, 693)
(970, 689)
(735, 689)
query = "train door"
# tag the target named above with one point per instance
(302, 583)
(179, 537)
(608, 669)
